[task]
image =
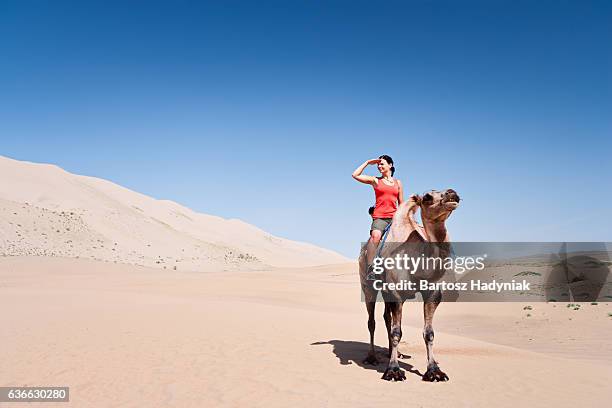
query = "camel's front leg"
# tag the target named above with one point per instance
(371, 357)
(387, 317)
(433, 372)
(393, 371)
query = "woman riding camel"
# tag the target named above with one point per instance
(389, 194)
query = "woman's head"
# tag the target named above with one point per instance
(386, 164)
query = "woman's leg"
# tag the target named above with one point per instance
(375, 236)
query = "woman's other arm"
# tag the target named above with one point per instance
(400, 196)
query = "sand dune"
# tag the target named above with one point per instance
(126, 336)
(47, 211)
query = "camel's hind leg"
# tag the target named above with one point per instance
(430, 304)
(387, 316)
(371, 357)
(393, 371)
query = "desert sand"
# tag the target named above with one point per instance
(127, 336)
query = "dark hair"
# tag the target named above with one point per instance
(389, 160)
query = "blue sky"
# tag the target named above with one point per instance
(261, 110)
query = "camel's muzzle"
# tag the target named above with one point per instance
(451, 199)
(451, 196)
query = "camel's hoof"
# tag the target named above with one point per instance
(371, 360)
(394, 374)
(434, 374)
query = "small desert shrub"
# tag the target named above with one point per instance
(528, 273)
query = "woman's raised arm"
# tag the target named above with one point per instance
(363, 178)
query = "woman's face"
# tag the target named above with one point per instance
(383, 166)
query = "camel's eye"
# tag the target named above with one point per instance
(427, 198)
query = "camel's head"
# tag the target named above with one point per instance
(437, 206)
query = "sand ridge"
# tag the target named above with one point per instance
(47, 211)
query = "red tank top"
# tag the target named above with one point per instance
(386, 199)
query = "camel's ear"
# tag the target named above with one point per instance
(418, 199)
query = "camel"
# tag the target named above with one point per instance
(406, 237)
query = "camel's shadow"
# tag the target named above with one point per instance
(349, 352)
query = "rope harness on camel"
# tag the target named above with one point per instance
(382, 240)
(371, 275)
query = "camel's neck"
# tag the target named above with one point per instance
(436, 231)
